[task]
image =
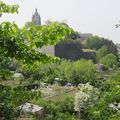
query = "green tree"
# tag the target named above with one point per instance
(84, 71)
(20, 44)
(96, 43)
(110, 60)
(81, 71)
(4, 8)
(103, 51)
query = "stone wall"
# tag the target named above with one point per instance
(48, 50)
(89, 55)
(70, 50)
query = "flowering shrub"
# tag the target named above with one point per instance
(87, 96)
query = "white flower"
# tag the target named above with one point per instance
(86, 96)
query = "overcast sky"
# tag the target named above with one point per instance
(86, 16)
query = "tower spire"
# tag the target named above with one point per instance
(36, 17)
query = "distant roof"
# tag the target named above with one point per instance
(30, 108)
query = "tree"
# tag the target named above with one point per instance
(96, 43)
(21, 45)
(12, 36)
(102, 52)
(110, 60)
(83, 71)
(4, 8)
(29, 24)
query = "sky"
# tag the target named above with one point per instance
(85, 16)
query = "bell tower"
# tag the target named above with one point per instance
(36, 19)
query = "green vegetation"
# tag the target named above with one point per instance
(81, 71)
(11, 35)
(109, 60)
(62, 109)
(86, 97)
(4, 8)
(96, 42)
(101, 52)
(68, 90)
(106, 108)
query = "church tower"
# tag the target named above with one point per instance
(36, 19)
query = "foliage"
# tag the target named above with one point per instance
(103, 51)
(110, 60)
(92, 42)
(73, 37)
(12, 36)
(7, 66)
(11, 98)
(24, 43)
(63, 70)
(5, 74)
(110, 83)
(62, 109)
(86, 97)
(102, 111)
(4, 8)
(96, 42)
(106, 107)
(31, 24)
(85, 71)
(81, 71)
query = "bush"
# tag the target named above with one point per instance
(62, 109)
(110, 60)
(85, 70)
(106, 107)
(81, 71)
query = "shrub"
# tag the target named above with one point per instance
(110, 60)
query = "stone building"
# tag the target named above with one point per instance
(68, 50)
(73, 51)
(48, 50)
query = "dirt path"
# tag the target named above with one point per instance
(61, 95)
